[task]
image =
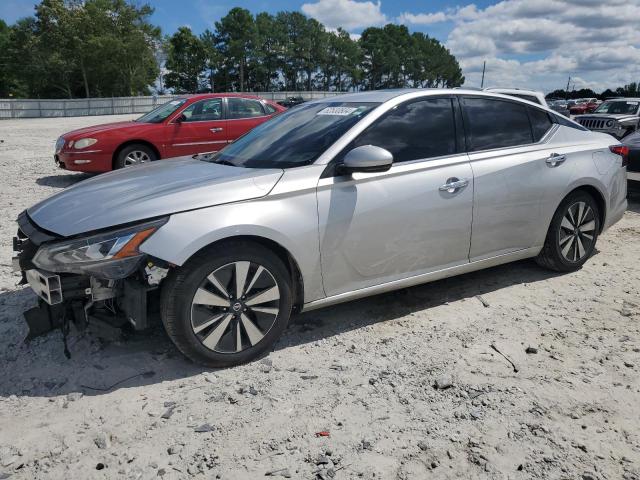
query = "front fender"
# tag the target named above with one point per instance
(288, 220)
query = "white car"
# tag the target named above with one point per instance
(530, 95)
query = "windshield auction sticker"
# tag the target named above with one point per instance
(342, 111)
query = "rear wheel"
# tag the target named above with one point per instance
(572, 235)
(135, 155)
(224, 309)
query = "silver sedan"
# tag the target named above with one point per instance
(333, 200)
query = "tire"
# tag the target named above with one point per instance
(567, 247)
(195, 320)
(134, 154)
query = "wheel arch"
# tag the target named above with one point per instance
(297, 281)
(123, 145)
(597, 195)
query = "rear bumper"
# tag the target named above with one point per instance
(94, 161)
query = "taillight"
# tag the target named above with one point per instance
(623, 151)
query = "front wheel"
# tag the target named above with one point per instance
(226, 308)
(572, 235)
(134, 155)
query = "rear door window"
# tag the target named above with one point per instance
(244, 108)
(493, 123)
(414, 130)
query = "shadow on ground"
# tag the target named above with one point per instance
(62, 181)
(41, 369)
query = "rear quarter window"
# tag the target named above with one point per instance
(540, 123)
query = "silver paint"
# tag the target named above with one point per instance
(368, 233)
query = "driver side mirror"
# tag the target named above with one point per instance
(181, 118)
(367, 158)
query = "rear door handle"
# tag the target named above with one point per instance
(453, 185)
(555, 159)
(216, 130)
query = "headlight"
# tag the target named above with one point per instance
(85, 142)
(111, 255)
(610, 123)
(59, 144)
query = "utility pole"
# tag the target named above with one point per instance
(566, 94)
(484, 65)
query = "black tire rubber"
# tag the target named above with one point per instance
(180, 285)
(119, 162)
(550, 256)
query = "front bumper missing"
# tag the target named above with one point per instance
(46, 285)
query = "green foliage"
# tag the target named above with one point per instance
(82, 48)
(74, 48)
(292, 52)
(393, 58)
(630, 90)
(187, 59)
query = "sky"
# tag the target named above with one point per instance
(534, 44)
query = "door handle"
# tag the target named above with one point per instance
(453, 185)
(555, 159)
(216, 130)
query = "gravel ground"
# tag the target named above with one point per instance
(349, 391)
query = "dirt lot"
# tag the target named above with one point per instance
(363, 372)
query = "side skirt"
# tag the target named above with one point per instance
(423, 278)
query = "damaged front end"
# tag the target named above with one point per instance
(99, 280)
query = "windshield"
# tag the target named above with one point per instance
(294, 138)
(618, 106)
(160, 113)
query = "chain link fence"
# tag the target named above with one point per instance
(79, 107)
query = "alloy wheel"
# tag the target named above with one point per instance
(234, 307)
(577, 232)
(136, 157)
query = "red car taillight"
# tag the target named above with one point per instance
(623, 151)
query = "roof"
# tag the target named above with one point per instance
(382, 96)
(513, 90)
(218, 95)
(622, 99)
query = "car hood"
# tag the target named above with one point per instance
(103, 127)
(147, 191)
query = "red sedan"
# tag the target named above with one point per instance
(185, 126)
(585, 107)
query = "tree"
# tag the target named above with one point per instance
(393, 58)
(235, 39)
(268, 52)
(5, 77)
(61, 51)
(340, 62)
(187, 59)
(73, 48)
(212, 57)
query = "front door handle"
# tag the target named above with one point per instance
(555, 159)
(216, 130)
(453, 185)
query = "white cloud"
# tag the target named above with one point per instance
(531, 44)
(348, 14)
(540, 44)
(422, 18)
